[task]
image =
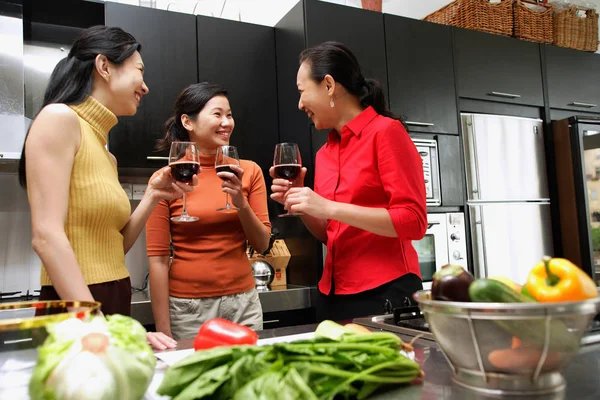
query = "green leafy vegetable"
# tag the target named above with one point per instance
(350, 366)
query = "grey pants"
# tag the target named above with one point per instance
(188, 314)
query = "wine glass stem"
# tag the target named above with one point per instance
(227, 200)
(184, 207)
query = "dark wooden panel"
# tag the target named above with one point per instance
(451, 171)
(360, 30)
(421, 73)
(169, 51)
(294, 126)
(241, 58)
(489, 63)
(573, 76)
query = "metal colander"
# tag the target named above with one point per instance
(471, 335)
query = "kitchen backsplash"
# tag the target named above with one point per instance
(19, 264)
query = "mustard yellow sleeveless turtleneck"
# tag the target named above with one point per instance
(98, 205)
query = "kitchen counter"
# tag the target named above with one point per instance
(582, 374)
(284, 298)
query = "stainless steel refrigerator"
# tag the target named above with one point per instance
(507, 194)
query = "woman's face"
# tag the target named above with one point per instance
(127, 85)
(213, 126)
(314, 98)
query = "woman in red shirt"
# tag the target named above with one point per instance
(368, 204)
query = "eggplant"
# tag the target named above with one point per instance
(451, 283)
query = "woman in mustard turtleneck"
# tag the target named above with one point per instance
(80, 215)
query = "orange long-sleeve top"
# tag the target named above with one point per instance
(209, 255)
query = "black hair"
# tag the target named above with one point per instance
(337, 60)
(189, 102)
(71, 79)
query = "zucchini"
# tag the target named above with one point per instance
(528, 331)
(493, 291)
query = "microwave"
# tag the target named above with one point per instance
(444, 243)
(428, 150)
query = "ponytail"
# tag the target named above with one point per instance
(72, 78)
(174, 132)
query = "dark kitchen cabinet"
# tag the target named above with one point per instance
(308, 23)
(497, 68)
(421, 74)
(573, 79)
(169, 52)
(241, 58)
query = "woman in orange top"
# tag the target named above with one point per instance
(209, 275)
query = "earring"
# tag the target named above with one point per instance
(331, 103)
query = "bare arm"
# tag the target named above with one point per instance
(316, 226)
(160, 186)
(159, 285)
(52, 144)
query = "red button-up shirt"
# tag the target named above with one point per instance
(373, 163)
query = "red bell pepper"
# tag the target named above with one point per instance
(221, 332)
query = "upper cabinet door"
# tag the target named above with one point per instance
(358, 29)
(573, 79)
(497, 68)
(421, 74)
(169, 52)
(242, 60)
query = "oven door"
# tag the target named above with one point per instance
(433, 248)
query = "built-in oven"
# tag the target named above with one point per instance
(443, 243)
(428, 151)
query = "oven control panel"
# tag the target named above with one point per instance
(457, 245)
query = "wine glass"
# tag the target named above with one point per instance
(227, 156)
(184, 160)
(287, 164)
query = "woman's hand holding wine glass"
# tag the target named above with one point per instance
(227, 164)
(287, 172)
(184, 161)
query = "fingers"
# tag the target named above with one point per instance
(160, 341)
(272, 172)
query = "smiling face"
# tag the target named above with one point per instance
(213, 125)
(314, 98)
(126, 85)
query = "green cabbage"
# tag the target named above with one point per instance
(94, 360)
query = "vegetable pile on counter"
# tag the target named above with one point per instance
(341, 361)
(103, 358)
(552, 280)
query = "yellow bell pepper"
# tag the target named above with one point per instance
(557, 279)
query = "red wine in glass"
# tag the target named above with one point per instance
(184, 171)
(287, 164)
(227, 156)
(288, 171)
(184, 160)
(225, 168)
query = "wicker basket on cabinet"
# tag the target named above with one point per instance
(576, 31)
(533, 23)
(479, 15)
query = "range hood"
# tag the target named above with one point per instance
(13, 123)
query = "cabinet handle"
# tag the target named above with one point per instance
(586, 105)
(416, 123)
(271, 321)
(157, 158)
(507, 95)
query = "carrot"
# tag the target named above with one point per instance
(522, 359)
